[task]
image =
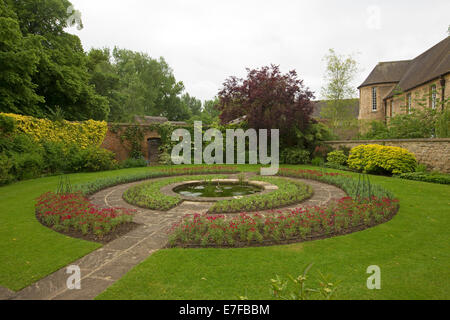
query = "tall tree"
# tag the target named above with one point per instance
(269, 100)
(18, 63)
(148, 86)
(194, 105)
(340, 72)
(62, 77)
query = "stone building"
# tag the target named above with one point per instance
(397, 87)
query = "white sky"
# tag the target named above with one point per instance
(206, 41)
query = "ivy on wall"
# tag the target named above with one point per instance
(134, 135)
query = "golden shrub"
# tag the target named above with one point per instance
(85, 133)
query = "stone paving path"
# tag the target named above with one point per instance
(101, 268)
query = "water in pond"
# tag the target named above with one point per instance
(216, 190)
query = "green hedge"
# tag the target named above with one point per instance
(426, 177)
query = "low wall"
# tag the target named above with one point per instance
(434, 153)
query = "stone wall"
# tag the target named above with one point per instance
(434, 153)
(122, 148)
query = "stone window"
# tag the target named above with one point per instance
(433, 97)
(409, 97)
(374, 99)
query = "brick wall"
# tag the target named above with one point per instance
(122, 149)
(434, 153)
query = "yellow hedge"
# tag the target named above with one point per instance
(84, 134)
(382, 159)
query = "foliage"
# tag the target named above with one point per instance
(381, 159)
(426, 177)
(19, 56)
(136, 84)
(23, 158)
(295, 156)
(133, 163)
(297, 289)
(269, 100)
(7, 125)
(288, 192)
(84, 134)
(422, 122)
(74, 212)
(53, 64)
(337, 157)
(317, 162)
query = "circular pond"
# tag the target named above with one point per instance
(216, 189)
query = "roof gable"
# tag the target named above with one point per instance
(387, 72)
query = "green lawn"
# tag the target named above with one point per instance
(412, 251)
(29, 251)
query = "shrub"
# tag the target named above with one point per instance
(84, 134)
(421, 168)
(337, 157)
(5, 168)
(56, 157)
(27, 165)
(426, 177)
(337, 166)
(7, 125)
(133, 163)
(318, 162)
(382, 159)
(295, 156)
(98, 159)
(322, 151)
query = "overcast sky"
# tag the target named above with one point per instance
(206, 41)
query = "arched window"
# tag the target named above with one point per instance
(374, 99)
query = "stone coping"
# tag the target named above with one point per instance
(389, 140)
(169, 189)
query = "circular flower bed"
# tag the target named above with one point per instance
(341, 217)
(367, 205)
(74, 215)
(149, 195)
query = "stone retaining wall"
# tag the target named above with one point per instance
(434, 153)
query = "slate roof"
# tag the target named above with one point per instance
(430, 65)
(387, 72)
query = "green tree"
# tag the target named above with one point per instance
(340, 72)
(193, 104)
(62, 77)
(105, 79)
(18, 63)
(148, 86)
